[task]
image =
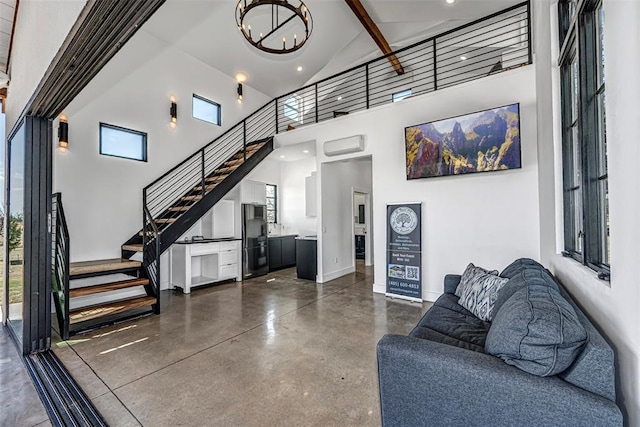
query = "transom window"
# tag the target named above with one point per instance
(584, 142)
(122, 142)
(207, 110)
(272, 204)
(399, 96)
(293, 108)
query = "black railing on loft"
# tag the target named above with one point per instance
(489, 45)
(151, 255)
(60, 263)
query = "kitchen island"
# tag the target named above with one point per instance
(307, 257)
(204, 261)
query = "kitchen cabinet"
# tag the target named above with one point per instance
(307, 258)
(253, 192)
(224, 219)
(282, 252)
(360, 246)
(195, 263)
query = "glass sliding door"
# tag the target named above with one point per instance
(14, 231)
(27, 234)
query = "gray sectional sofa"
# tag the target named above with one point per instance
(443, 374)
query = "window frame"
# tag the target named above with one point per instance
(586, 227)
(398, 96)
(275, 204)
(126, 130)
(299, 108)
(208, 101)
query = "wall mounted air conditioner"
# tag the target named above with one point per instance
(350, 144)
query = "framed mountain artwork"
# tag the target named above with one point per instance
(485, 141)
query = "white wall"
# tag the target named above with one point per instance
(489, 218)
(103, 195)
(292, 198)
(41, 27)
(614, 306)
(336, 249)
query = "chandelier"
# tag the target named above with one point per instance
(274, 26)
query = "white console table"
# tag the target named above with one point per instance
(204, 262)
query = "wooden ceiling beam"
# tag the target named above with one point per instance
(361, 13)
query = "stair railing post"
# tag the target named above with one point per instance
(316, 87)
(367, 84)
(157, 307)
(202, 172)
(244, 139)
(276, 110)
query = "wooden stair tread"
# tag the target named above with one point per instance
(106, 287)
(136, 247)
(207, 188)
(165, 220)
(101, 266)
(197, 197)
(149, 233)
(95, 311)
(216, 178)
(179, 208)
(226, 170)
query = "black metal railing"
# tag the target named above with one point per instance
(151, 255)
(489, 45)
(60, 264)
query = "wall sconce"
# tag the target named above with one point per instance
(174, 113)
(63, 134)
(239, 93)
(240, 78)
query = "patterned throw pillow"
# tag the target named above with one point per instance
(480, 292)
(467, 276)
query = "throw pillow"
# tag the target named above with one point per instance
(468, 275)
(480, 293)
(536, 330)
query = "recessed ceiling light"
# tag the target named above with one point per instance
(241, 77)
(305, 151)
(451, 1)
(463, 58)
(299, 68)
(339, 98)
(282, 157)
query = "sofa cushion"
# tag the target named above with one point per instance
(449, 323)
(518, 265)
(480, 293)
(468, 276)
(536, 330)
(519, 280)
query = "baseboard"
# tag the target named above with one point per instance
(336, 274)
(426, 296)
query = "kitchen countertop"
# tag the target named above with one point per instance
(307, 238)
(281, 235)
(190, 242)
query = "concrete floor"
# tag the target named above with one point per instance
(20, 404)
(261, 352)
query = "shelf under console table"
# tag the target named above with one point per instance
(195, 263)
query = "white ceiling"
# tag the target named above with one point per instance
(295, 152)
(206, 29)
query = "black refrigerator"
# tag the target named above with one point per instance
(255, 254)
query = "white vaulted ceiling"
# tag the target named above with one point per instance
(206, 30)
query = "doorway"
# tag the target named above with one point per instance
(362, 247)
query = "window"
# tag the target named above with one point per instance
(206, 110)
(584, 145)
(293, 109)
(272, 204)
(120, 142)
(399, 96)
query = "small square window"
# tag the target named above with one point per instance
(121, 142)
(206, 110)
(399, 96)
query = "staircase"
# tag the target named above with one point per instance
(101, 292)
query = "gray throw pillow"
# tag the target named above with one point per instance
(536, 330)
(480, 292)
(468, 275)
